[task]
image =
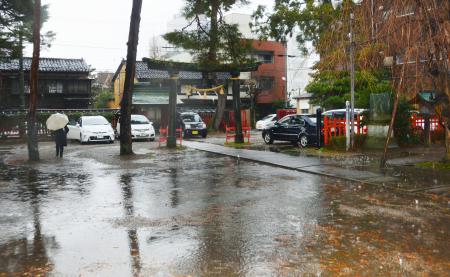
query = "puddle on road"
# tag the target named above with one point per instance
(199, 214)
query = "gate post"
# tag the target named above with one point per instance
(172, 133)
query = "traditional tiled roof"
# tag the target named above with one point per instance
(145, 73)
(47, 65)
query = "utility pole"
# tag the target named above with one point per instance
(286, 55)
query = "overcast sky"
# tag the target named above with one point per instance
(97, 30)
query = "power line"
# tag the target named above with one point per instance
(88, 46)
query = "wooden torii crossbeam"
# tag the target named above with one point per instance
(173, 68)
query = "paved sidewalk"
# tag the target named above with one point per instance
(313, 165)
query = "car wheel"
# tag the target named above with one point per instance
(81, 140)
(303, 141)
(204, 135)
(268, 139)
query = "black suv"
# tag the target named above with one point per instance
(193, 125)
(299, 129)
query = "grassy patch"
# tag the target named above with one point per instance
(238, 145)
(435, 165)
(317, 152)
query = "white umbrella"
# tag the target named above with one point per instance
(57, 121)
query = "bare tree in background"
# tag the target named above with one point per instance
(417, 34)
(156, 52)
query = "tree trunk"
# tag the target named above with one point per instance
(447, 144)
(394, 113)
(21, 73)
(126, 144)
(21, 86)
(212, 58)
(220, 110)
(391, 127)
(33, 150)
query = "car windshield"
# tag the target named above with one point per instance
(95, 121)
(191, 118)
(135, 120)
(268, 117)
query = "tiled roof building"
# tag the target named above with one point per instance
(63, 84)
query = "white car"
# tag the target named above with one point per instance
(340, 113)
(91, 129)
(141, 128)
(267, 122)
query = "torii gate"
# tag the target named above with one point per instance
(174, 68)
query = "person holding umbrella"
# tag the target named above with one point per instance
(58, 122)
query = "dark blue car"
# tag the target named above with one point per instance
(301, 130)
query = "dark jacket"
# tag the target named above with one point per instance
(61, 136)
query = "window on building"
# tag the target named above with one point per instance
(304, 111)
(55, 87)
(264, 56)
(266, 83)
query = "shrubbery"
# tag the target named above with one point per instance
(403, 132)
(339, 143)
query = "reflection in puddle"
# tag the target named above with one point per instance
(193, 213)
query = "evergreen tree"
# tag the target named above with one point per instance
(212, 41)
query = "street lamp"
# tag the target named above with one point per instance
(336, 4)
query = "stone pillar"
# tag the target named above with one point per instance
(172, 132)
(237, 106)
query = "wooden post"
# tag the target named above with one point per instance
(33, 150)
(239, 138)
(172, 136)
(359, 124)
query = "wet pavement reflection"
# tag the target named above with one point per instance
(179, 213)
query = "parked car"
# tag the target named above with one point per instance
(91, 129)
(340, 113)
(266, 122)
(141, 128)
(298, 129)
(193, 125)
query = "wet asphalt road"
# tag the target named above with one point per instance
(186, 212)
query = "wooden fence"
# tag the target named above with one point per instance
(335, 127)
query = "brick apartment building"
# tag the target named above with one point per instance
(271, 74)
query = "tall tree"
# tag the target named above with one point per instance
(12, 15)
(33, 150)
(211, 40)
(416, 33)
(126, 144)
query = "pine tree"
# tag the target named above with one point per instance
(212, 41)
(126, 144)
